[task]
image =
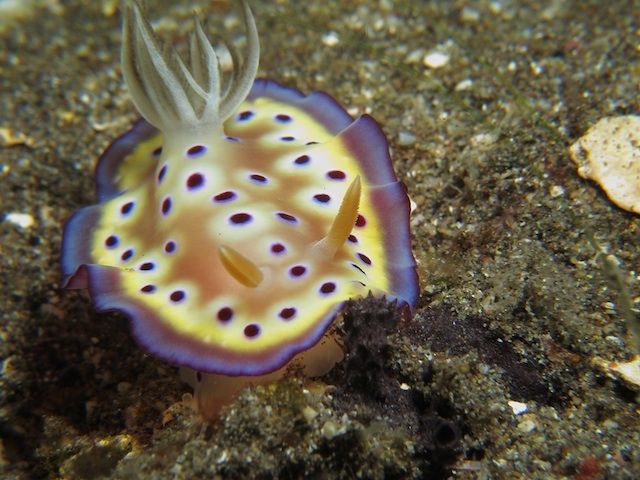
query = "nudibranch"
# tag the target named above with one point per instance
(237, 218)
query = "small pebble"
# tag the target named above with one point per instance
(436, 59)
(517, 407)
(23, 220)
(309, 414)
(527, 425)
(406, 138)
(329, 430)
(463, 85)
(330, 39)
(415, 56)
(556, 191)
(469, 14)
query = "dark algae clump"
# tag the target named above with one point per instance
(504, 372)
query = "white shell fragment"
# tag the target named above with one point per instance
(23, 220)
(609, 154)
(629, 371)
(331, 39)
(436, 59)
(518, 407)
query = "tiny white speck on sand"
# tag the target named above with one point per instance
(23, 220)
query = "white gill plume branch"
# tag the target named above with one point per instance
(171, 96)
(244, 80)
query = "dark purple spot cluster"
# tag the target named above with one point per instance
(241, 218)
(111, 241)
(224, 196)
(327, 288)
(162, 173)
(322, 198)
(195, 181)
(177, 296)
(287, 313)
(286, 217)
(302, 160)
(165, 207)
(283, 118)
(357, 267)
(196, 151)
(258, 179)
(127, 208)
(225, 314)
(170, 247)
(297, 271)
(278, 248)
(364, 258)
(336, 175)
(252, 330)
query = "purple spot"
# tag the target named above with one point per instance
(302, 160)
(357, 267)
(126, 208)
(364, 258)
(166, 206)
(147, 266)
(251, 330)
(327, 288)
(336, 175)
(277, 248)
(240, 218)
(287, 313)
(322, 198)
(361, 221)
(170, 246)
(246, 115)
(232, 139)
(297, 270)
(287, 138)
(287, 218)
(225, 314)
(126, 255)
(111, 241)
(157, 152)
(224, 196)
(257, 178)
(162, 173)
(196, 150)
(195, 181)
(177, 296)
(283, 118)
(353, 239)
(148, 289)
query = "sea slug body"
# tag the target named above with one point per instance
(236, 219)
